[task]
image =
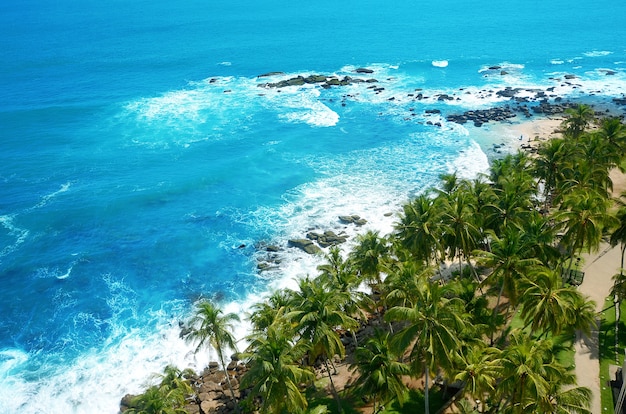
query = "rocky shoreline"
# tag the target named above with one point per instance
(524, 101)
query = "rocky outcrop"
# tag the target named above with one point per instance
(480, 117)
(323, 80)
(212, 394)
(354, 219)
(305, 245)
(327, 239)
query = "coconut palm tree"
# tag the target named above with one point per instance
(508, 261)
(614, 132)
(528, 365)
(271, 311)
(317, 315)
(156, 401)
(274, 371)
(380, 372)
(583, 217)
(402, 283)
(577, 120)
(547, 305)
(418, 229)
(209, 327)
(551, 156)
(369, 255)
(175, 379)
(460, 232)
(339, 275)
(433, 325)
(538, 235)
(478, 369)
(562, 396)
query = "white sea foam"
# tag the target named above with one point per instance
(440, 63)
(20, 235)
(597, 53)
(557, 62)
(47, 198)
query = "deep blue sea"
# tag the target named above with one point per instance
(141, 167)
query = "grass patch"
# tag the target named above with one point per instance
(611, 349)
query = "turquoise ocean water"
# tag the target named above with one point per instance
(138, 155)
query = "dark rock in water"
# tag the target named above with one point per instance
(445, 97)
(432, 111)
(364, 70)
(570, 76)
(354, 219)
(305, 245)
(619, 101)
(495, 67)
(504, 72)
(272, 248)
(508, 92)
(478, 124)
(265, 75)
(329, 238)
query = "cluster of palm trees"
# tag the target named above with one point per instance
(495, 327)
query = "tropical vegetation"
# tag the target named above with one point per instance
(472, 292)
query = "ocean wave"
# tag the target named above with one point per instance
(19, 235)
(597, 53)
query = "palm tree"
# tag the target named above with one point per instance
(418, 230)
(508, 261)
(317, 315)
(584, 217)
(433, 326)
(274, 371)
(271, 311)
(614, 132)
(173, 379)
(210, 328)
(538, 235)
(369, 255)
(547, 305)
(548, 165)
(380, 373)
(528, 365)
(156, 401)
(460, 233)
(577, 120)
(339, 275)
(562, 396)
(479, 369)
(402, 283)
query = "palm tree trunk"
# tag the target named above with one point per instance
(332, 387)
(495, 310)
(426, 402)
(230, 386)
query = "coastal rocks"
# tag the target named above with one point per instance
(480, 117)
(327, 239)
(364, 70)
(354, 219)
(323, 80)
(305, 245)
